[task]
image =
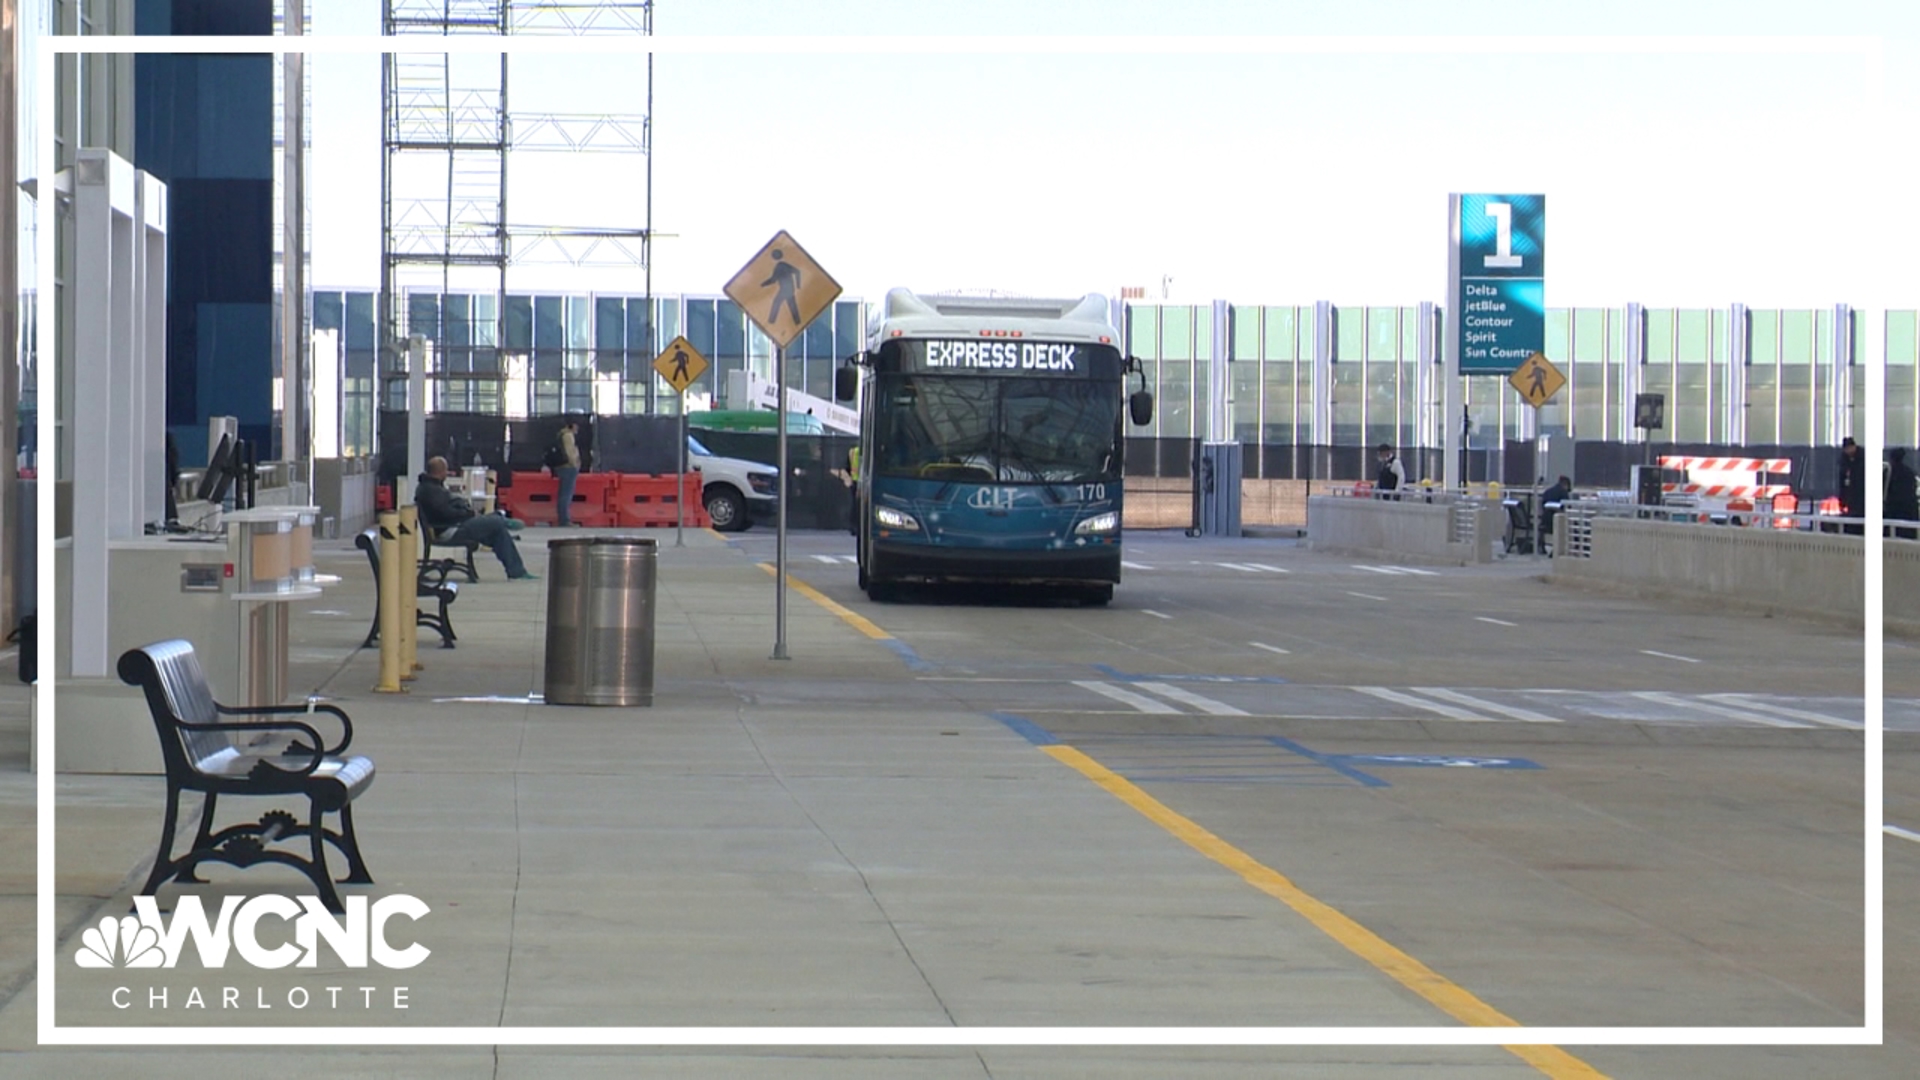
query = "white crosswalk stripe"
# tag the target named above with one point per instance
(1188, 697)
(832, 559)
(1514, 711)
(1134, 565)
(1139, 701)
(1745, 701)
(1751, 716)
(1399, 698)
(1270, 569)
(1389, 571)
(1414, 570)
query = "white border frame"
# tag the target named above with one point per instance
(1871, 52)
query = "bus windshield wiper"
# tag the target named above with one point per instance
(1009, 454)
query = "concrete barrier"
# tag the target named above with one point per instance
(1771, 571)
(1419, 531)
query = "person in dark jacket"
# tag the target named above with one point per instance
(1550, 502)
(1903, 501)
(1852, 484)
(1391, 477)
(452, 520)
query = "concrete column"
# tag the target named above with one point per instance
(1736, 380)
(1840, 388)
(101, 285)
(1219, 388)
(1634, 377)
(1323, 375)
(12, 536)
(416, 407)
(295, 448)
(1450, 390)
(149, 389)
(1427, 378)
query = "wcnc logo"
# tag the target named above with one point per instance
(148, 940)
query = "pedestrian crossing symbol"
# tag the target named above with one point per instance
(680, 364)
(782, 289)
(1537, 380)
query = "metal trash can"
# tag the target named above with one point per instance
(600, 604)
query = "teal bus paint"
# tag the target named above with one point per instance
(992, 443)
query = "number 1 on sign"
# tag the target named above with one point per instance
(1503, 256)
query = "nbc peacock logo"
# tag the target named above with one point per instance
(124, 942)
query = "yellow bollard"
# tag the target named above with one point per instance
(389, 584)
(409, 593)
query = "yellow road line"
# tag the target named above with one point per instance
(853, 618)
(1448, 996)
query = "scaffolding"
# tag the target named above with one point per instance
(448, 138)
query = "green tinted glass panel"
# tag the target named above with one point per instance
(1176, 333)
(1383, 333)
(1280, 343)
(1350, 334)
(1659, 337)
(1303, 322)
(1902, 348)
(1278, 390)
(1796, 337)
(1589, 334)
(1202, 333)
(1143, 331)
(1409, 334)
(1246, 332)
(1559, 335)
(1694, 340)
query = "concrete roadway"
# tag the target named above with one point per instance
(1688, 853)
(1264, 787)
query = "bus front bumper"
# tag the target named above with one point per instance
(927, 562)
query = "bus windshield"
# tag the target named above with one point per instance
(1000, 429)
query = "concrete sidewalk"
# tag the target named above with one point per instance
(867, 853)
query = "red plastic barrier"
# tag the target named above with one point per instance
(592, 500)
(647, 501)
(530, 498)
(383, 497)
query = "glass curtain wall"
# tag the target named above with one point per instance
(583, 354)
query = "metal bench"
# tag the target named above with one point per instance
(206, 754)
(467, 567)
(431, 583)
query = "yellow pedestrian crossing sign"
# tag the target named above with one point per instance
(680, 363)
(782, 289)
(1537, 380)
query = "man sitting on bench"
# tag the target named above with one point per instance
(451, 519)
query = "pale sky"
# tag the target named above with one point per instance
(1682, 179)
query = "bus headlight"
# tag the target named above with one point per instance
(1098, 524)
(889, 518)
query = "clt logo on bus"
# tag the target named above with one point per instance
(151, 941)
(1018, 355)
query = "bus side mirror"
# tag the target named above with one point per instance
(1140, 408)
(846, 383)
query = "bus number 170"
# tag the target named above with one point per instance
(1093, 492)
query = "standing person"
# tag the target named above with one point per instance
(1903, 500)
(853, 490)
(564, 459)
(1853, 484)
(1387, 484)
(452, 520)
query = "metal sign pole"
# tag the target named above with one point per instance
(680, 499)
(780, 513)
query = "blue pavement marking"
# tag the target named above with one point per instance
(1440, 761)
(915, 662)
(1331, 761)
(1129, 676)
(1026, 729)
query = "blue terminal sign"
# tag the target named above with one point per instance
(1500, 287)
